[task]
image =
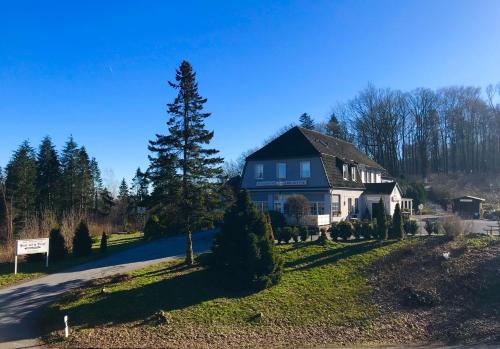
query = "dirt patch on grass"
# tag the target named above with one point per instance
(431, 298)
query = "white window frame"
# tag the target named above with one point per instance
(259, 171)
(363, 176)
(302, 164)
(278, 170)
(353, 173)
(338, 209)
(345, 172)
(378, 177)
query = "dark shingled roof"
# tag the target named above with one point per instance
(301, 142)
(335, 176)
(338, 148)
(380, 188)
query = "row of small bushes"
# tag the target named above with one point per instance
(367, 229)
(300, 233)
(81, 244)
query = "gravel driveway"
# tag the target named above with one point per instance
(19, 304)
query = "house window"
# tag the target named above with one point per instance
(261, 206)
(349, 205)
(281, 170)
(363, 176)
(356, 206)
(259, 171)
(353, 173)
(317, 208)
(378, 177)
(305, 169)
(372, 177)
(345, 172)
(335, 205)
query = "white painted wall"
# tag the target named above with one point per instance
(345, 194)
(390, 201)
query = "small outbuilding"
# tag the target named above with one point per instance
(468, 206)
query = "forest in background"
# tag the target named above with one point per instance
(42, 189)
(424, 131)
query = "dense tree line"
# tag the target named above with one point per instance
(35, 182)
(424, 131)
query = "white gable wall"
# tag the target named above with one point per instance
(390, 201)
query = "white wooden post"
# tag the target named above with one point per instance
(47, 260)
(15, 264)
(66, 328)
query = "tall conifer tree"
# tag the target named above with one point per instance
(48, 176)
(306, 121)
(20, 182)
(184, 153)
(84, 183)
(69, 164)
(95, 173)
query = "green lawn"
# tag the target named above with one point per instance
(321, 286)
(29, 270)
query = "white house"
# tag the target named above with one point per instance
(339, 181)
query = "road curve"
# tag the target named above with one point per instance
(20, 304)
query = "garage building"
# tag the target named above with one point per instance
(468, 206)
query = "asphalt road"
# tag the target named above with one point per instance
(477, 226)
(20, 304)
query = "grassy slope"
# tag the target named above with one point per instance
(324, 289)
(30, 270)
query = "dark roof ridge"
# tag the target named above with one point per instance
(302, 129)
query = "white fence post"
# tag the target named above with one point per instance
(66, 328)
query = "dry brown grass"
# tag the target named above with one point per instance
(40, 225)
(454, 300)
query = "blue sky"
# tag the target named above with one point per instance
(98, 69)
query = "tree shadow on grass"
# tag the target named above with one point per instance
(143, 301)
(335, 254)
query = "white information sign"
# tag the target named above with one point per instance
(31, 246)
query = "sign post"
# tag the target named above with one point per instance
(31, 246)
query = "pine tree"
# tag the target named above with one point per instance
(20, 183)
(397, 223)
(82, 242)
(48, 176)
(106, 202)
(244, 252)
(382, 229)
(6, 218)
(95, 173)
(57, 245)
(69, 165)
(306, 121)
(84, 182)
(333, 127)
(140, 188)
(185, 149)
(123, 193)
(103, 247)
(123, 202)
